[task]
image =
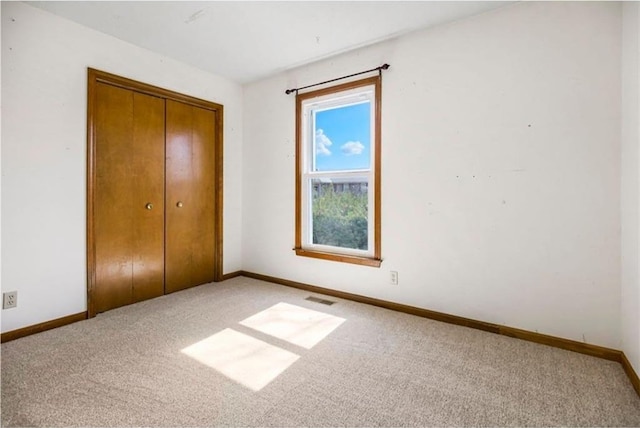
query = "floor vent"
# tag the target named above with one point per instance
(318, 300)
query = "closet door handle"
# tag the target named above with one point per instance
(149, 206)
(179, 204)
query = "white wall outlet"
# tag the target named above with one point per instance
(394, 277)
(9, 299)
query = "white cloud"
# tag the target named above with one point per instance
(322, 143)
(352, 148)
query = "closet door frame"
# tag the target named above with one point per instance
(97, 76)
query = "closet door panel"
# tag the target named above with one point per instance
(179, 153)
(114, 197)
(189, 223)
(128, 237)
(203, 192)
(148, 188)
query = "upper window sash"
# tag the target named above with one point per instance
(312, 107)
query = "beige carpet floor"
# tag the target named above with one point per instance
(193, 359)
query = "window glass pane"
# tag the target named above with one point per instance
(340, 212)
(342, 138)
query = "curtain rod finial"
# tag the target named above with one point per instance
(385, 66)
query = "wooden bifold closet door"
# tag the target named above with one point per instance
(154, 192)
(189, 219)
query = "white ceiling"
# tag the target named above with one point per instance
(248, 40)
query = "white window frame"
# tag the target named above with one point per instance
(308, 105)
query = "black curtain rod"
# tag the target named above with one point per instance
(382, 67)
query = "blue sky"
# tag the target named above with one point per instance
(343, 138)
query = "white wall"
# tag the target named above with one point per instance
(501, 170)
(44, 81)
(630, 183)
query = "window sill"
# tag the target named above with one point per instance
(357, 260)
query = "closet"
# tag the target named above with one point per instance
(154, 212)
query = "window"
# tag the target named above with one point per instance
(338, 173)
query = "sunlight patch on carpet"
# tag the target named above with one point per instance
(244, 359)
(300, 326)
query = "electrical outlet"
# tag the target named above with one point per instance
(394, 277)
(9, 300)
